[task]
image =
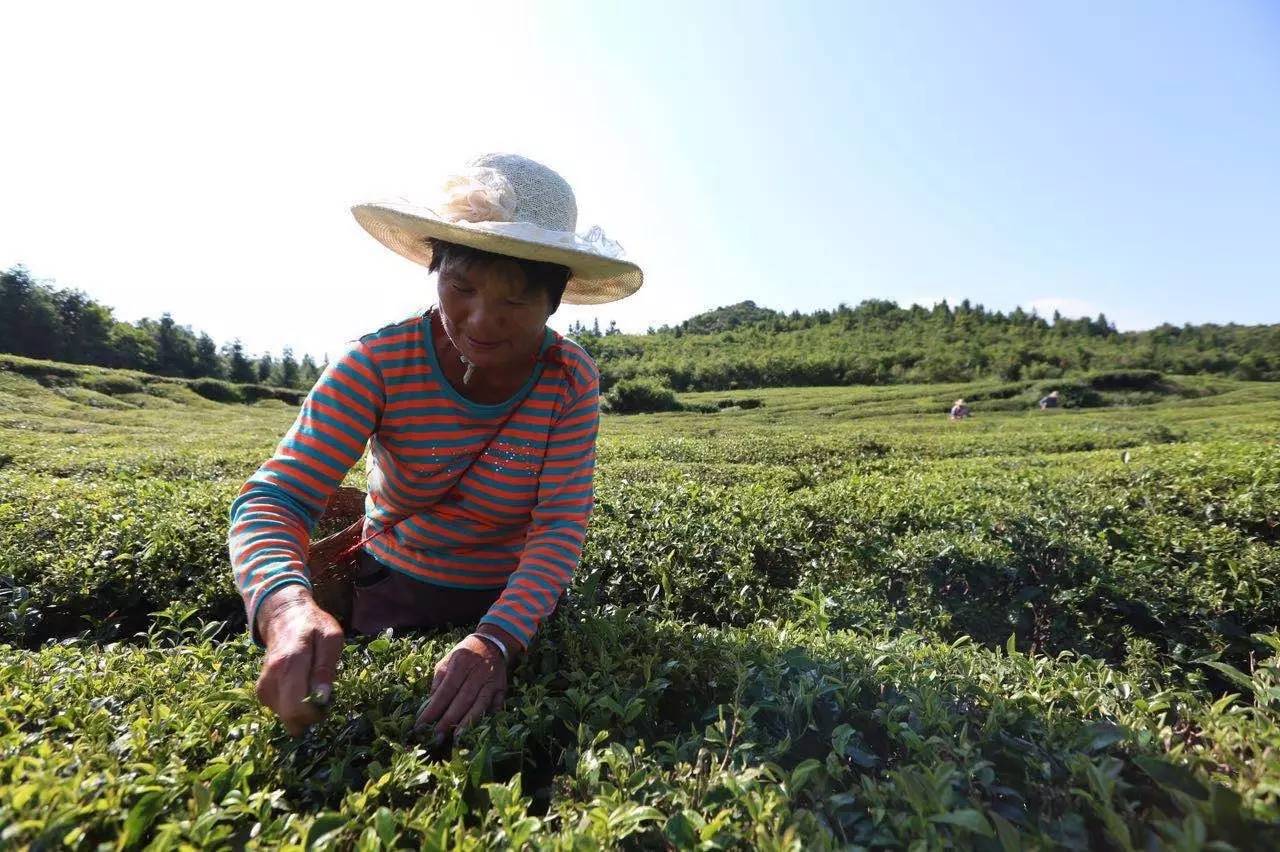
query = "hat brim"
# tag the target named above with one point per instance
(594, 280)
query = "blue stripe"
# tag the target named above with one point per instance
(312, 513)
(243, 542)
(355, 376)
(470, 530)
(519, 507)
(569, 552)
(534, 579)
(411, 359)
(274, 495)
(319, 458)
(357, 437)
(447, 554)
(331, 399)
(512, 622)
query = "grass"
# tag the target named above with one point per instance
(835, 619)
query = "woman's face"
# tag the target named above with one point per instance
(491, 315)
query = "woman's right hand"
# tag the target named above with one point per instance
(303, 645)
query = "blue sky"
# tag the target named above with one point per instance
(1095, 157)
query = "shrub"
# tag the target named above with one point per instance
(41, 371)
(744, 403)
(253, 393)
(217, 390)
(637, 396)
(113, 384)
(1137, 380)
(996, 392)
(1075, 393)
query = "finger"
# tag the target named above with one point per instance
(327, 648)
(499, 699)
(269, 689)
(293, 687)
(441, 671)
(479, 707)
(443, 692)
(463, 701)
(265, 688)
(268, 685)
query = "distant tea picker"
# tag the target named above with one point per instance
(481, 427)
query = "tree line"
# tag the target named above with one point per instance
(878, 342)
(38, 320)
(737, 346)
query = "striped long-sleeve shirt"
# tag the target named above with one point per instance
(513, 520)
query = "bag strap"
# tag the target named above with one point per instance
(553, 357)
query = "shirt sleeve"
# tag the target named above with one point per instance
(273, 515)
(553, 546)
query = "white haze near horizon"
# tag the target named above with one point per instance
(201, 160)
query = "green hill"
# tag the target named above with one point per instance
(736, 346)
(879, 342)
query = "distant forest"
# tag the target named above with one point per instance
(739, 346)
(38, 320)
(877, 342)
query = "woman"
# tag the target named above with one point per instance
(959, 410)
(481, 427)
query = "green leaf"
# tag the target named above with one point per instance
(322, 826)
(1100, 735)
(802, 773)
(21, 795)
(141, 815)
(1272, 639)
(385, 824)
(1172, 776)
(968, 819)
(1010, 838)
(1227, 804)
(680, 832)
(1232, 673)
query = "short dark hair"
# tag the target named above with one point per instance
(549, 278)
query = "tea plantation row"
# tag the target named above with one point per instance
(833, 620)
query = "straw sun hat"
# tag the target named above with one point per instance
(510, 205)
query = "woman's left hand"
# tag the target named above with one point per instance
(468, 683)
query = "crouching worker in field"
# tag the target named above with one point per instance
(481, 426)
(959, 410)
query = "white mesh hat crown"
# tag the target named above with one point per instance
(510, 205)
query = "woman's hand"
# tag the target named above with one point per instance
(303, 645)
(468, 683)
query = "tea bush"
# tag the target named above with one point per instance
(113, 385)
(625, 729)
(640, 396)
(1138, 380)
(217, 390)
(836, 620)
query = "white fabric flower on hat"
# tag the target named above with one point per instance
(477, 195)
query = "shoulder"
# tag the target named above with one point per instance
(396, 334)
(369, 353)
(578, 366)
